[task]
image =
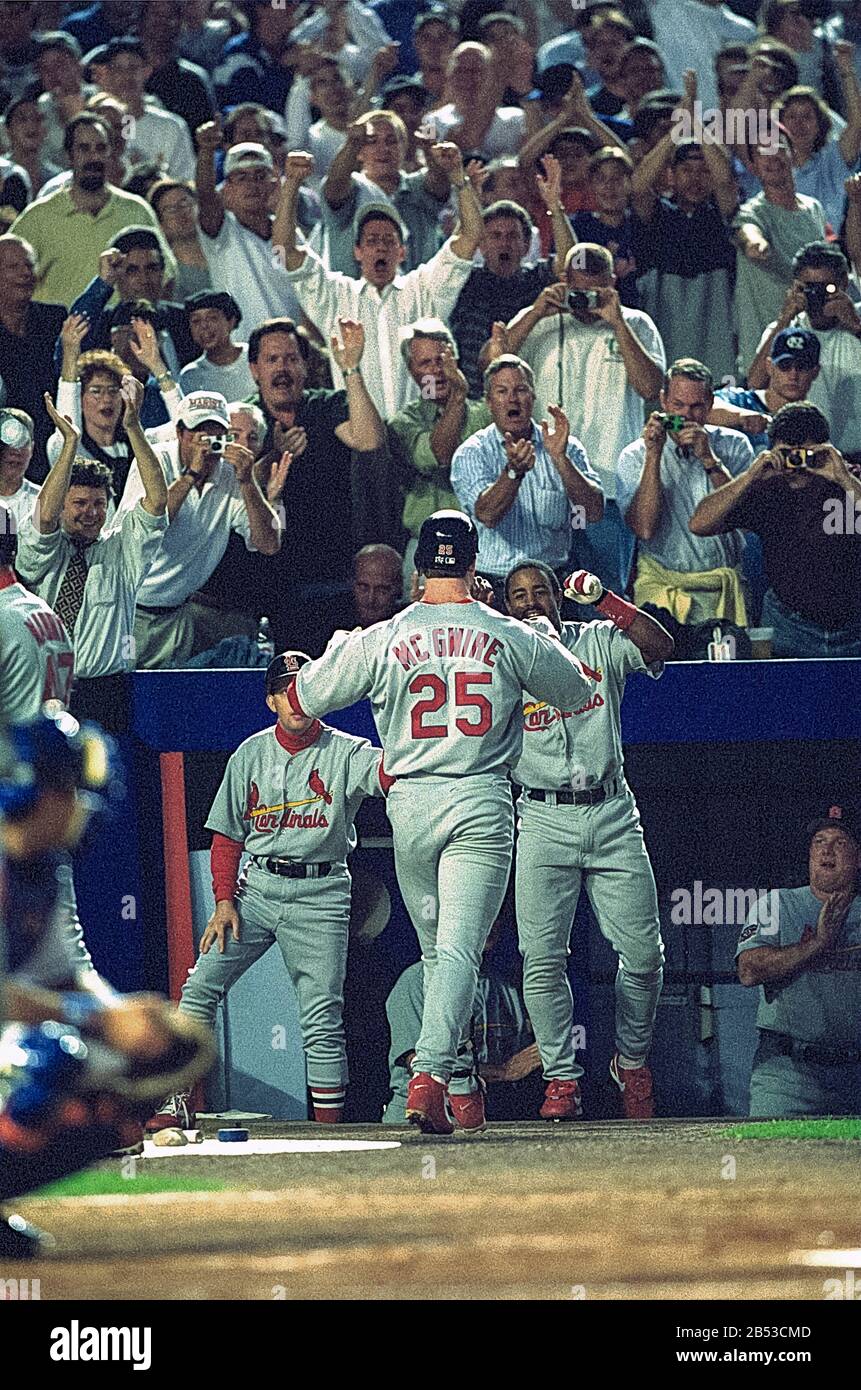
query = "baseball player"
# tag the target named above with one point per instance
(289, 799)
(803, 947)
(36, 661)
(83, 1065)
(578, 821)
(444, 677)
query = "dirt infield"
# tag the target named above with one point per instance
(672, 1209)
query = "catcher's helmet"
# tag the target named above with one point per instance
(56, 753)
(448, 544)
(282, 669)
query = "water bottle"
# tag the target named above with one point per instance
(265, 644)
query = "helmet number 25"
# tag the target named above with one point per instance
(464, 698)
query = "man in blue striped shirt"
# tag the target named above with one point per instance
(526, 486)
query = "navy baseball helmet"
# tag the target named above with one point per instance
(447, 546)
(282, 669)
(56, 753)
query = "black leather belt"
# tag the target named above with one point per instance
(286, 868)
(785, 1046)
(566, 796)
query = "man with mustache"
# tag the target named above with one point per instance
(322, 431)
(70, 229)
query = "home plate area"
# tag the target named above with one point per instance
(662, 1210)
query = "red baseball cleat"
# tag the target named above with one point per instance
(635, 1083)
(426, 1105)
(468, 1110)
(561, 1101)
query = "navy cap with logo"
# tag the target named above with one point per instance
(447, 545)
(282, 670)
(836, 818)
(795, 347)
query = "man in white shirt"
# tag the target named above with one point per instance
(211, 492)
(599, 361)
(690, 34)
(91, 580)
(159, 135)
(238, 241)
(381, 300)
(17, 493)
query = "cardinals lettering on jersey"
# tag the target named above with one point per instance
(282, 815)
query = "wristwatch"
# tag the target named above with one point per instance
(513, 474)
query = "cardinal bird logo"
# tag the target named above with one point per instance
(317, 786)
(253, 802)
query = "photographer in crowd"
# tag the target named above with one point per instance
(798, 496)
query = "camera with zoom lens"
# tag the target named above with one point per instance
(816, 296)
(581, 300)
(804, 458)
(672, 423)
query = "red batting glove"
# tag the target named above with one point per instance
(583, 587)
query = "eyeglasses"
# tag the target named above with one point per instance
(98, 392)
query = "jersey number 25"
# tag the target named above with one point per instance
(464, 698)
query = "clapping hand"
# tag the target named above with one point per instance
(132, 393)
(62, 422)
(555, 437)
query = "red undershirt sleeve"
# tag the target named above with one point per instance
(224, 860)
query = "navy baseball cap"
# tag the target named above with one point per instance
(836, 818)
(798, 346)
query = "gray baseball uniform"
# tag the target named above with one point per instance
(499, 1028)
(300, 807)
(37, 664)
(817, 1010)
(36, 660)
(445, 683)
(560, 845)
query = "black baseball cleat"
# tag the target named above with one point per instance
(21, 1241)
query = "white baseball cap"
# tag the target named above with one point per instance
(248, 155)
(200, 406)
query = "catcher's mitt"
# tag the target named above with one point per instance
(188, 1057)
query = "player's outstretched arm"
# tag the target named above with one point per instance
(554, 674)
(336, 679)
(645, 632)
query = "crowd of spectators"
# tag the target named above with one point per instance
(277, 281)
